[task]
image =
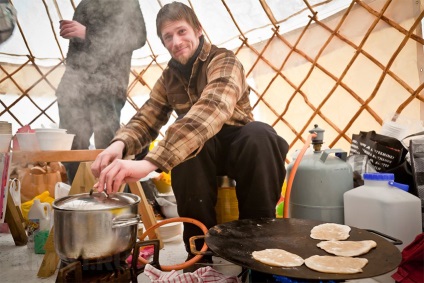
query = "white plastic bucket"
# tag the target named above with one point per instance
(380, 205)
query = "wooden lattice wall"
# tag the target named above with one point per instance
(345, 73)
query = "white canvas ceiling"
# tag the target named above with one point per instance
(39, 23)
(346, 65)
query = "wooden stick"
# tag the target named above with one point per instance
(57, 10)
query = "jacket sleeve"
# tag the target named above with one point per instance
(217, 102)
(145, 125)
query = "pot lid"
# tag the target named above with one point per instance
(95, 201)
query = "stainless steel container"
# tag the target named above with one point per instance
(95, 227)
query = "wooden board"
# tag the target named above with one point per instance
(54, 155)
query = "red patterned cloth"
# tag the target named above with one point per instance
(411, 268)
(201, 275)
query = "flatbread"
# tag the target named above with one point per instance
(336, 264)
(278, 257)
(347, 248)
(330, 231)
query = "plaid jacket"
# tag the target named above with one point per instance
(216, 94)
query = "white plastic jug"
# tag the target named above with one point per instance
(40, 213)
(383, 205)
(39, 217)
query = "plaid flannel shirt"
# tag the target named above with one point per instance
(216, 94)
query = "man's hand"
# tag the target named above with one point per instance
(107, 156)
(72, 29)
(112, 171)
(123, 171)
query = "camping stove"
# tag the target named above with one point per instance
(115, 270)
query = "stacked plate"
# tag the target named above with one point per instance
(5, 136)
(5, 128)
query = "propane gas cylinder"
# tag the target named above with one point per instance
(320, 183)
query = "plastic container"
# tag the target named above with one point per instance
(279, 208)
(383, 205)
(226, 207)
(39, 217)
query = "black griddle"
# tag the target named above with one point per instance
(236, 240)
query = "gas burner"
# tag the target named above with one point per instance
(76, 272)
(106, 271)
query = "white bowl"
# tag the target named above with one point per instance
(50, 130)
(5, 142)
(54, 140)
(170, 211)
(168, 196)
(171, 231)
(27, 141)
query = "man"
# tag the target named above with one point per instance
(102, 37)
(214, 134)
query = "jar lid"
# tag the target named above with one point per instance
(95, 201)
(379, 176)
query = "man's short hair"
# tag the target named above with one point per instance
(176, 11)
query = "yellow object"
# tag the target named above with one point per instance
(43, 197)
(284, 188)
(153, 144)
(226, 207)
(163, 182)
(279, 209)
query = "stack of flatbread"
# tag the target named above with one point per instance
(333, 236)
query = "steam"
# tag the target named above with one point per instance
(93, 89)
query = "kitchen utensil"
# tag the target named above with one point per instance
(27, 142)
(54, 140)
(95, 228)
(5, 140)
(236, 240)
(169, 209)
(171, 232)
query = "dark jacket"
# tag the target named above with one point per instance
(114, 29)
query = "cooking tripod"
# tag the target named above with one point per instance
(83, 182)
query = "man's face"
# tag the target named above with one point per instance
(180, 39)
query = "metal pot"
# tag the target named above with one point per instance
(95, 227)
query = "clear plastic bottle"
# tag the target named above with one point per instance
(385, 206)
(38, 220)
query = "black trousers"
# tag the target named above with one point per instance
(253, 155)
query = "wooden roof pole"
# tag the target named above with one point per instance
(51, 24)
(314, 64)
(352, 60)
(384, 74)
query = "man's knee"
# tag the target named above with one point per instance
(259, 131)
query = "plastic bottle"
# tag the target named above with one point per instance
(226, 207)
(385, 206)
(38, 222)
(279, 208)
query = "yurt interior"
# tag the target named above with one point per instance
(349, 72)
